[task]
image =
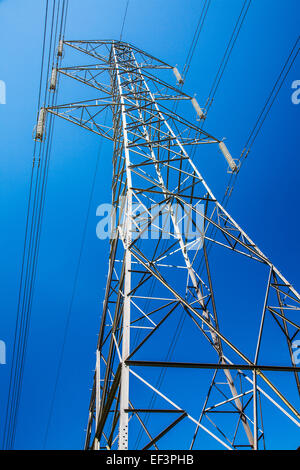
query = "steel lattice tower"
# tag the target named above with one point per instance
(161, 290)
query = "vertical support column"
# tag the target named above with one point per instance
(124, 381)
(124, 384)
(98, 397)
(255, 443)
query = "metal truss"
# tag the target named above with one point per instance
(171, 368)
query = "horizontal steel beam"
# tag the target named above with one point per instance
(199, 365)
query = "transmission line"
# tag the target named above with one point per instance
(37, 191)
(258, 126)
(271, 98)
(234, 36)
(196, 36)
(19, 322)
(124, 19)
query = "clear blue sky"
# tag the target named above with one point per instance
(265, 201)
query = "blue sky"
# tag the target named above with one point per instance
(265, 201)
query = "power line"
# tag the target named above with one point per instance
(124, 19)
(196, 36)
(258, 125)
(34, 219)
(234, 36)
(272, 96)
(19, 321)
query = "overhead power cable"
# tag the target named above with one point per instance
(13, 383)
(271, 98)
(259, 123)
(265, 111)
(231, 43)
(196, 36)
(37, 192)
(124, 19)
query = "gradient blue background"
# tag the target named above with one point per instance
(265, 201)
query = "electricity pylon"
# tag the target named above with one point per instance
(185, 356)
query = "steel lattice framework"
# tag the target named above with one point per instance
(161, 290)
